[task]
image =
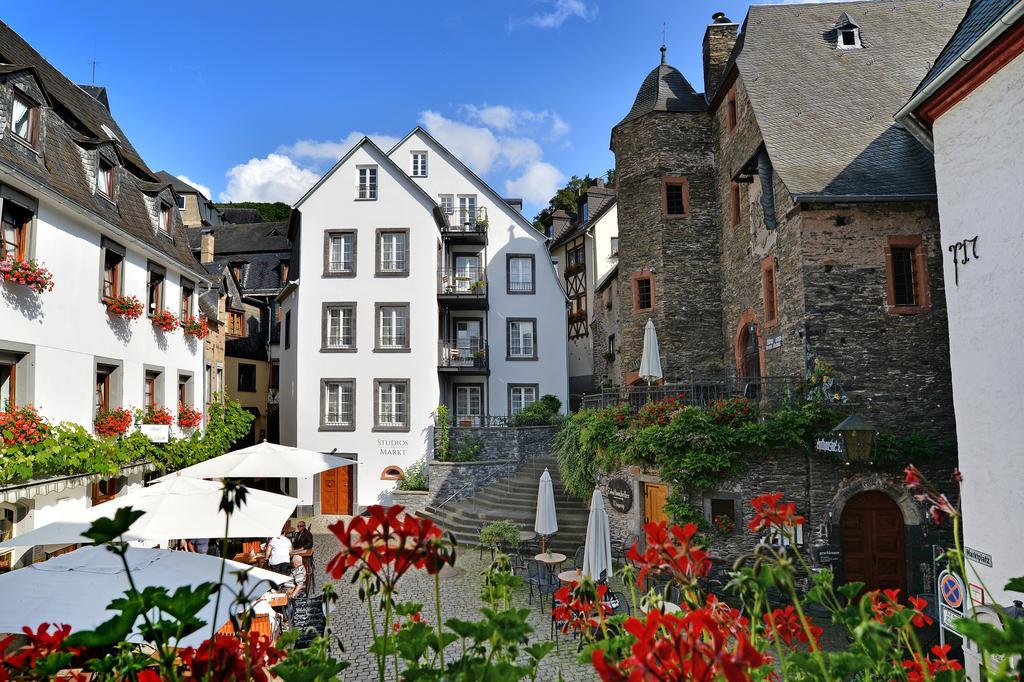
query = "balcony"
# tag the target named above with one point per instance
(465, 226)
(770, 392)
(464, 356)
(462, 288)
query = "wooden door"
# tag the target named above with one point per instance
(336, 491)
(873, 542)
(655, 495)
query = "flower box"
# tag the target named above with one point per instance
(195, 327)
(113, 423)
(128, 307)
(189, 417)
(22, 426)
(155, 415)
(27, 273)
(165, 321)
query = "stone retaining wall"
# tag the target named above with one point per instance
(414, 501)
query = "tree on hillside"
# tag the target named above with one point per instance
(275, 212)
(566, 198)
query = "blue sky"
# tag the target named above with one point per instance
(255, 100)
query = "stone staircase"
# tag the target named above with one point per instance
(514, 498)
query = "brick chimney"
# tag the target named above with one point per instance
(719, 39)
(559, 221)
(206, 246)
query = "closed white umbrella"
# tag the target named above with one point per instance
(545, 523)
(177, 508)
(75, 588)
(650, 360)
(264, 460)
(597, 552)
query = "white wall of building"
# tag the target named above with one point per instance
(979, 162)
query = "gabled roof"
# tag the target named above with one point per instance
(240, 239)
(240, 216)
(665, 89)
(467, 171)
(607, 279)
(576, 230)
(826, 114)
(177, 184)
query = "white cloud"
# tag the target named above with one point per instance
(537, 184)
(272, 178)
(477, 147)
(202, 188)
(327, 150)
(523, 121)
(560, 11)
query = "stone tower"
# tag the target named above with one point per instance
(668, 228)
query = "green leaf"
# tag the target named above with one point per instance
(1015, 585)
(107, 530)
(296, 669)
(851, 590)
(109, 633)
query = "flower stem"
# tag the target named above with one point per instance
(437, 604)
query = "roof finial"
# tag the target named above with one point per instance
(663, 48)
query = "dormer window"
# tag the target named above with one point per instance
(105, 179)
(25, 118)
(847, 33)
(181, 202)
(166, 219)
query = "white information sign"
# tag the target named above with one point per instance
(157, 433)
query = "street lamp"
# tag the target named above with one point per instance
(859, 438)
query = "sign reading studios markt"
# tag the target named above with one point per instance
(620, 495)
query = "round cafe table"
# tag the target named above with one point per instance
(571, 576)
(551, 558)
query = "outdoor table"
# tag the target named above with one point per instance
(570, 576)
(666, 607)
(246, 558)
(551, 558)
(278, 600)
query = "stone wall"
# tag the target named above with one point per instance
(414, 501)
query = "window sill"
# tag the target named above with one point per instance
(392, 350)
(391, 429)
(336, 428)
(339, 274)
(675, 216)
(771, 324)
(246, 390)
(529, 292)
(510, 358)
(365, 199)
(326, 349)
(909, 310)
(25, 143)
(382, 273)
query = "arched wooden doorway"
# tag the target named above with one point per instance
(873, 542)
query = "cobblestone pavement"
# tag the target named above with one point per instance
(460, 598)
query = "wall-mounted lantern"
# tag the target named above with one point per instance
(858, 438)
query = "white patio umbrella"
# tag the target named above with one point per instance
(597, 553)
(75, 588)
(650, 360)
(263, 460)
(545, 523)
(178, 508)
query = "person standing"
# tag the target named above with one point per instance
(278, 554)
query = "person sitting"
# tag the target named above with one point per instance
(303, 538)
(298, 574)
(278, 552)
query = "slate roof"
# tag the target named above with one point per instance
(826, 114)
(665, 89)
(239, 239)
(71, 123)
(982, 15)
(573, 231)
(240, 216)
(179, 185)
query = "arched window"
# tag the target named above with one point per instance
(392, 473)
(749, 356)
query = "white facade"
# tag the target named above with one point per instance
(473, 373)
(979, 162)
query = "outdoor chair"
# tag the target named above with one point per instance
(577, 559)
(621, 547)
(538, 575)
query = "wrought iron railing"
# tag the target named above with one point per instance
(772, 391)
(463, 282)
(468, 353)
(465, 221)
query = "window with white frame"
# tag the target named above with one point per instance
(24, 118)
(393, 326)
(520, 274)
(419, 164)
(339, 403)
(522, 341)
(367, 182)
(166, 221)
(394, 249)
(105, 179)
(519, 396)
(341, 253)
(180, 198)
(392, 404)
(339, 326)
(447, 204)
(467, 210)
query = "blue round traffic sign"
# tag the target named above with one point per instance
(951, 589)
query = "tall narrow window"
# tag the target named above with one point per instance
(467, 210)
(25, 118)
(520, 274)
(15, 224)
(768, 292)
(615, 246)
(338, 411)
(113, 269)
(448, 205)
(288, 329)
(643, 291)
(367, 188)
(522, 339)
(274, 378)
(8, 376)
(393, 252)
(734, 203)
(340, 254)
(246, 377)
(419, 164)
(609, 354)
(339, 326)
(907, 275)
(103, 388)
(105, 179)
(187, 289)
(903, 283)
(166, 218)
(393, 326)
(155, 289)
(150, 398)
(236, 323)
(675, 197)
(730, 110)
(392, 404)
(519, 396)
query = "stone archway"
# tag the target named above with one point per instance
(912, 515)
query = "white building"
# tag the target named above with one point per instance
(76, 196)
(415, 285)
(969, 110)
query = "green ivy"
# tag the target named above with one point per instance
(443, 437)
(71, 450)
(415, 477)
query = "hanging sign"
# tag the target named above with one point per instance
(620, 495)
(832, 445)
(773, 342)
(977, 594)
(156, 433)
(829, 555)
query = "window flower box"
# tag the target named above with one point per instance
(113, 423)
(128, 307)
(155, 415)
(196, 327)
(724, 523)
(27, 273)
(22, 426)
(165, 321)
(189, 417)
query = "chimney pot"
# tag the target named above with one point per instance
(206, 246)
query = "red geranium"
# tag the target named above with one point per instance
(227, 660)
(784, 624)
(113, 422)
(772, 512)
(165, 320)
(26, 272)
(156, 415)
(659, 412)
(41, 644)
(672, 550)
(580, 606)
(128, 307)
(22, 425)
(195, 326)
(189, 417)
(923, 491)
(731, 410)
(886, 603)
(937, 662)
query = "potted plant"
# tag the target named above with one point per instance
(189, 417)
(481, 223)
(480, 354)
(128, 307)
(155, 415)
(113, 423)
(27, 273)
(724, 523)
(165, 321)
(22, 425)
(195, 327)
(477, 286)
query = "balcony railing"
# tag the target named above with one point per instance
(466, 221)
(469, 354)
(699, 391)
(462, 282)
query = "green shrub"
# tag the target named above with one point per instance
(500, 534)
(443, 438)
(466, 448)
(415, 477)
(542, 412)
